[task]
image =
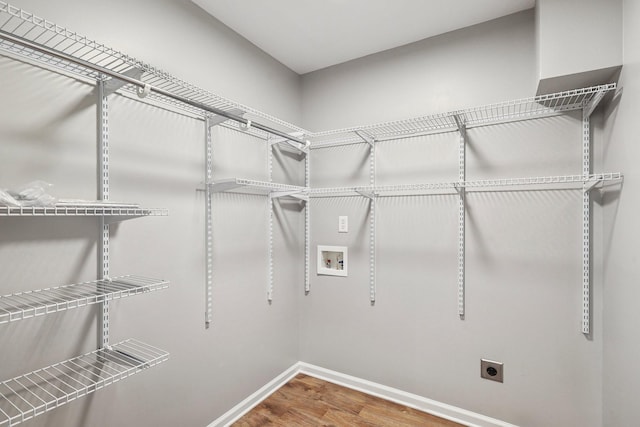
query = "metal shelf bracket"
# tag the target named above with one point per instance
(294, 194)
(114, 84)
(591, 184)
(303, 148)
(592, 104)
(214, 119)
(369, 139)
(371, 195)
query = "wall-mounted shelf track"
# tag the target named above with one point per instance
(29, 304)
(29, 395)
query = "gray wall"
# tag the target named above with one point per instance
(523, 266)
(48, 131)
(621, 348)
(438, 74)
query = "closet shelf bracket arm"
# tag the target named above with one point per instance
(303, 148)
(294, 194)
(371, 195)
(114, 84)
(460, 124)
(366, 137)
(215, 120)
(592, 103)
(591, 184)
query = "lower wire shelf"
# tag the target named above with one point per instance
(27, 396)
(40, 302)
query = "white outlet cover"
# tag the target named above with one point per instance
(343, 224)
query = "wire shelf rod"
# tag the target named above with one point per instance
(24, 305)
(142, 85)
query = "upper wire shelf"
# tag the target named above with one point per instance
(106, 211)
(503, 112)
(18, 22)
(249, 186)
(27, 396)
(29, 304)
(513, 184)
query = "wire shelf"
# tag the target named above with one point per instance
(341, 191)
(562, 181)
(452, 187)
(81, 211)
(29, 304)
(27, 396)
(520, 109)
(249, 186)
(23, 24)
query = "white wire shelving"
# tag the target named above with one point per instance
(36, 303)
(263, 188)
(39, 41)
(521, 109)
(584, 101)
(27, 396)
(36, 41)
(452, 187)
(20, 23)
(106, 211)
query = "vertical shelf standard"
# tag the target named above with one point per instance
(460, 188)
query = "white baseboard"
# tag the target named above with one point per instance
(414, 401)
(420, 403)
(234, 414)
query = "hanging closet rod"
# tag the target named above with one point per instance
(144, 86)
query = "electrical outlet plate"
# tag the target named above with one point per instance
(492, 370)
(343, 224)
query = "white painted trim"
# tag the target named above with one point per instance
(420, 403)
(235, 413)
(439, 409)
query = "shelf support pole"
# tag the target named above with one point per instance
(372, 221)
(103, 194)
(460, 188)
(586, 218)
(208, 147)
(270, 227)
(307, 227)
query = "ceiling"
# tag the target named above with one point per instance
(307, 35)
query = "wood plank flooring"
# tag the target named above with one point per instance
(308, 401)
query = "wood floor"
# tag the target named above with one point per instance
(308, 401)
